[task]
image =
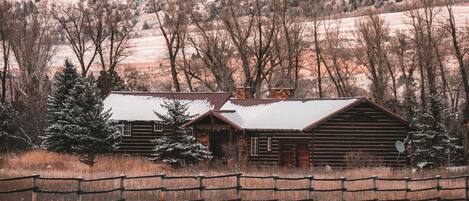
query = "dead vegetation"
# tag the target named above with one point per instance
(58, 165)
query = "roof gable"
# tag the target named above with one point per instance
(268, 114)
(361, 100)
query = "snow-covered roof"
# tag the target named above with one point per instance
(137, 106)
(249, 114)
(281, 114)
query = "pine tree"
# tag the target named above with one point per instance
(109, 81)
(177, 147)
(430, 139)
(7, 115)
(78, 123)
(93, 133)
(54, 138)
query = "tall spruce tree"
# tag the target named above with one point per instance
(81, 125)
(430, 139)
(55, 138)
(177, 148)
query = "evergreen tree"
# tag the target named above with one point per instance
(177, 147)
(54, 139)
(7, 115)
(430, 140)
(109, 81)
(81, 125)
(92, 131)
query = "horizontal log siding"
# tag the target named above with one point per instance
(271, 158)
(139, 143)
(360, 129)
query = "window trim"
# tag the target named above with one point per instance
(269, 144)
(159, 124)
(254, 146)
(123, 128)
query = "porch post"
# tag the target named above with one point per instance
(231, 136)
(242, 149)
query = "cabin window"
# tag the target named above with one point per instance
(126, 129)
(269, 144)
(158, 128)
(254, 143)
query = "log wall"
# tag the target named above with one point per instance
(361, 129)
(139, 143)
(285, 141)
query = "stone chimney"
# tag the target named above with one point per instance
(243, 92)
(281, 93)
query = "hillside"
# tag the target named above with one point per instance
(152, 49)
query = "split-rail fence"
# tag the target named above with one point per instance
(201, 187)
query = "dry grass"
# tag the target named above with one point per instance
(58, 165)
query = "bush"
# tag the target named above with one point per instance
(362, 159)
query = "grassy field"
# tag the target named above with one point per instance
(58, 165)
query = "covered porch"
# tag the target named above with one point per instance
(224, 139)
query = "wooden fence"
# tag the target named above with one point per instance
(201, 187)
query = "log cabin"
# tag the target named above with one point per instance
(276, 131)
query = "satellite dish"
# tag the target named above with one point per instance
(400, 146)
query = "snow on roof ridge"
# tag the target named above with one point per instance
(302, 99)
(148, 92)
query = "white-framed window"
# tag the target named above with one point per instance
(126, 128)
(269, 144)
(158, 127)
(254, 145)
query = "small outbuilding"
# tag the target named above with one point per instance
(271, 132)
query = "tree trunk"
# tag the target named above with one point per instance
(174, 75)
(318, 59)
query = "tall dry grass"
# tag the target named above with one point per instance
(49, 164)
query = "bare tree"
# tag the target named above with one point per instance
(173, 26)
(315, 20)
(337, 60)
(402, 50)
(32, 49)
(110, 26)
(252, 30)
(5, 31)
(74, 19)
(214, 50)
(370, 51)
(460, 52)
(289, 43)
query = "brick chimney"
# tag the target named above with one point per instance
(243, 92)
(281, 93)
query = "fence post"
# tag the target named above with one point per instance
(201, 186)
(162, 188)
(310, 187)
(238, 186)
(79, 180)
(407, 179)
(466, 185)
(34, 194)
(274, 187)
(438, 187)
(375, 188)
(342, 188)
(122, 188)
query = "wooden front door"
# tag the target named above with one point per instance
(294, 154)
(302, 155)
(287, 155)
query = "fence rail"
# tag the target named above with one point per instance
(309, 187)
